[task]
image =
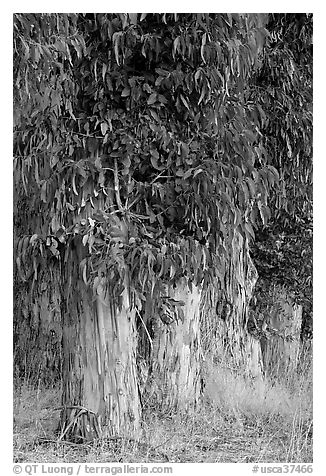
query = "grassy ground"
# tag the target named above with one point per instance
(237, 421)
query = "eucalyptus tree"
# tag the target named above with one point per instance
(141, 173)
(283, 86)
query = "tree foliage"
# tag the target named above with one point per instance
(154, 138)
(283, 249)
(139, 135)
(284, 86)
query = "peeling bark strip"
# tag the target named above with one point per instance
(99, 370)
(174, 377)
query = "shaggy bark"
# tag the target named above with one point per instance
(38, 327)
(100, 391)
(225, 315)
(174, 361)
(282, 327)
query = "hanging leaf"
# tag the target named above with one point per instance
(73, 182)
(104, 128)
(116, 38)
(125, 92)
(184, 102)
(152, 99)
(202, 48)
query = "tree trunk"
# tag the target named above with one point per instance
(100, 391)
(225, 315)
(38, 327)
(173, 381)
(282, 326)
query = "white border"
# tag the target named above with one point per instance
(318, 8)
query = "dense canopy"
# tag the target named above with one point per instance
(185, 128)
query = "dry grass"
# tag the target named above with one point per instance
(238, 421)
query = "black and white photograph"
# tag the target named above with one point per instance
(162, 241)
